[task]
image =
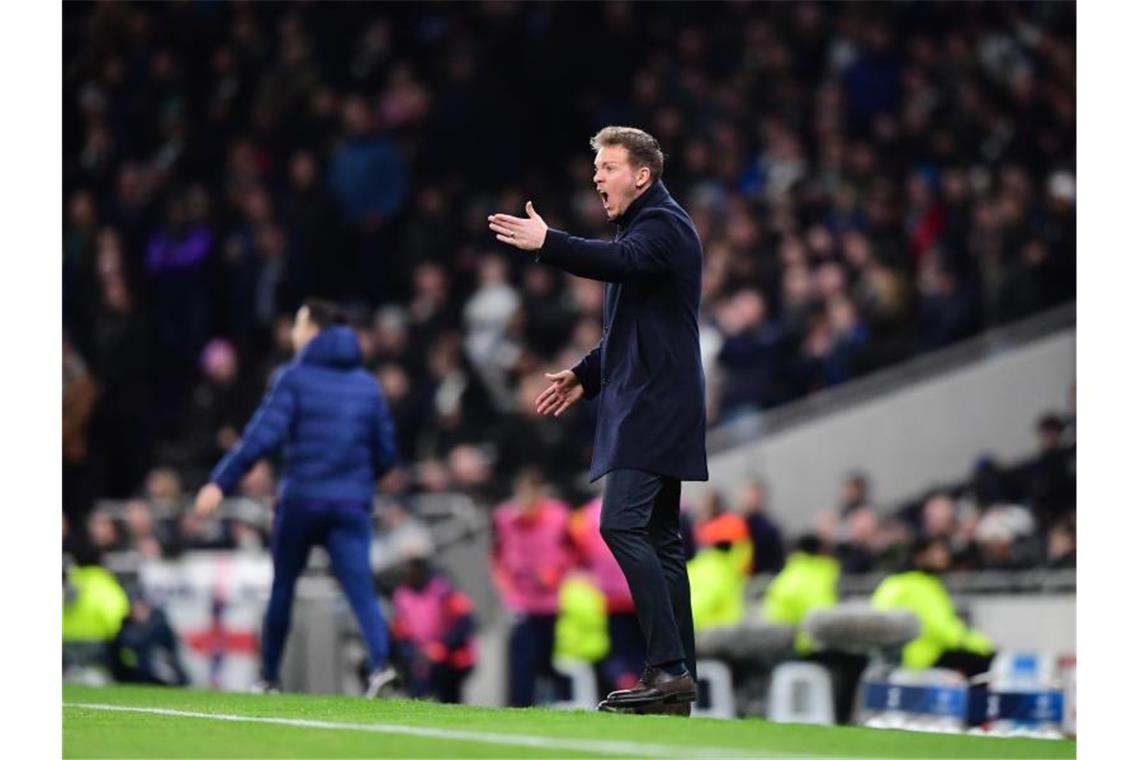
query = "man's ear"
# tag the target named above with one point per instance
(642, 177)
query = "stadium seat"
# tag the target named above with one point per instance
(717, 676)
(801, 693)
(1026, 696)
(583, 685)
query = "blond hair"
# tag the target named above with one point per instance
(644, 150)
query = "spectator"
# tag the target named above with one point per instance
(121, 429)
(317, 259)
(767, 541)
(953, 522)
(546, 312)
(220, 406)
(1052, 483)
(102, 534)
(146, 648)
(367, 173)
(857, 548)
(163, 489)
(988, 484)
(1007, 538)
(1062, 544)
(176, 259)
(143, 536)
(369, 178)
(488, 316)
(79, 399)
(750, 354)
(259, 484)
(854, 493)
(945, 308)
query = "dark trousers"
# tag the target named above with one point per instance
(968, 664)
(641, 525)
(845, 670)
(530, 651)
(429, 680)
(345, 530)
(445, 683)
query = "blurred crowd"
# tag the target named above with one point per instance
(870, 182)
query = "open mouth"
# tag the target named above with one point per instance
(605, 198)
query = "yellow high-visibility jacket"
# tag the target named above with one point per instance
(96, 613)
(717, 580)
(580, 632)
(806, 583)
(941, 628)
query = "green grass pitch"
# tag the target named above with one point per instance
(141, 722)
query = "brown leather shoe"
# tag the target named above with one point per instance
(655, 685)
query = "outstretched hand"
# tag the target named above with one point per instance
(560, 395)
(526, 234)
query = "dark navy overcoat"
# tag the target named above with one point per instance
(647, 369)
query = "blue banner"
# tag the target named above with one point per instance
(918, 700)
(1025, 707)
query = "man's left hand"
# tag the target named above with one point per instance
(526, 234)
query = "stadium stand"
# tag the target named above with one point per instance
(872, 183)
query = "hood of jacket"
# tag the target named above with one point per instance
(335, 347)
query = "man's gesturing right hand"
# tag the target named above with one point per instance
(563, 391)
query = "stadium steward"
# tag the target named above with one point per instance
(945, 641)
(531, 553)
(433, 631)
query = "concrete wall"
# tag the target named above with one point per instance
(909, 440)
(1045, 623)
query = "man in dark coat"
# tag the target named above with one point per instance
(647, 375)
(329, 416)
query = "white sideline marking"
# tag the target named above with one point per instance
(603, 747)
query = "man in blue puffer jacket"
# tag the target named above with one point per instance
(331, 422)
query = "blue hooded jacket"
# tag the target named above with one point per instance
(331, 419)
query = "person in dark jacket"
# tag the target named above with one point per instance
(647, 376)
(145, 650)
(332, 422)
